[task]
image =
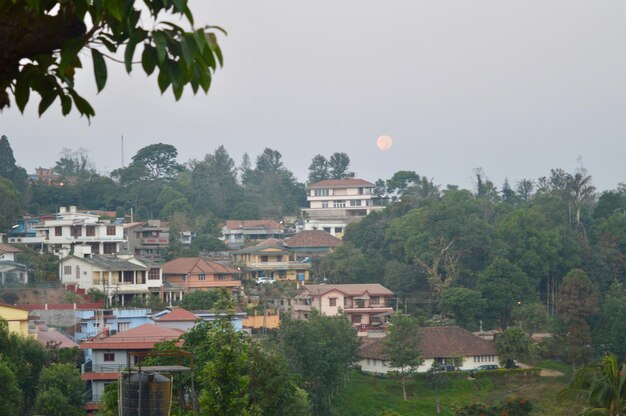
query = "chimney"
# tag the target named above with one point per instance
(73, 209)
(62, 210)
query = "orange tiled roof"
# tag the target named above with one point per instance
(178, 314)
(341, 183)
(354, 289)
(5, 248)
(313, 238)
(195, 265)
(141, 337)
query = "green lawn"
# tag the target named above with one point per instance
(368, 395)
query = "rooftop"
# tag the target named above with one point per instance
(313, 238)
(355, 289)
(178, 315)
(235, 224)
(195, 265)
(342, 183)
(141, 337)
(5, 248)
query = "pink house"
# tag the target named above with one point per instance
(365, 305)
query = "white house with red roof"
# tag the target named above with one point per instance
(366, 305)
(439, 345)
(109, 355)
(335, 203)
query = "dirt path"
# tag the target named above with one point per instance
(545, 372)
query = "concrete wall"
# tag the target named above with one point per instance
(57, 318)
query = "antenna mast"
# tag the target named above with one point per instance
(122, 150)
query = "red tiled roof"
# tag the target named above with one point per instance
(355, 289)
(178, 314)
(235, 224)
(341, 183)
(195, 265)
(141, 337)
(437, 341)
(99, 376)
(313, 238)
(5, 248)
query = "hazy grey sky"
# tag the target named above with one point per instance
(516, 88)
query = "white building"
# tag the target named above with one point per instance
(335, 203)
(71, 228)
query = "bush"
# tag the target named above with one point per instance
(508, 373)
(514, 406)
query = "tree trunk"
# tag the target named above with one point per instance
(403, 388)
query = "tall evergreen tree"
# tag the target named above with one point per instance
(339, 163)
(318, 169)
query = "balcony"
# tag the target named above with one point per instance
(301, 308)
(279, 265)
(154, 241)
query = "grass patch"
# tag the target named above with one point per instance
(557, 366)
(367, 395)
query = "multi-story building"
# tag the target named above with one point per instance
(272, 259)
(70, 228)
(335, 203)
(237, 232)
(91, 323)
(186, 274)
(119, 277)
(146, 239)
(109, 355)
(366, 304)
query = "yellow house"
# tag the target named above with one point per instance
(16, 317)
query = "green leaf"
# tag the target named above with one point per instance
(22, 92)
(149, 59)
(188, 46)
(164, 78)
(66, 104)
(47, 98)
(160, 40)
(82, 105)
(69, 51)
(99, 69)
(129, 53)
(116, 8)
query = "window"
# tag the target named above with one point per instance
(109, 248)
(202, 276)
(355, 202)
(76, 230)
(91, 230)
(109, 356)
(324, 204)
(332, 301)
(327, 229)
(67, 269)
(374, 300)
(338, 230)
(221, 277)
(321, 192)
(111, 229)
(123, 326)
(153, 274)
(58, 231)
(339, 204)
(264, 259)
(356, 319)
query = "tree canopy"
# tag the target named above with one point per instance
(43, 44)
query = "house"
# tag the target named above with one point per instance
(366, 305)
(312, 243)
(9, 267)
(70, 228)
(109, 355)
(49, 337)
(451, 345)
(273, 259)
(17, 318)
(196, 273)
(176, 318)
(146, 239)
(119, 277)
(335, 203)
(90, 323)
(238, 232)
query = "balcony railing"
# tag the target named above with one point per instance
(278, 265)
(90, 367)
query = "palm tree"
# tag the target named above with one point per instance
(601, 386)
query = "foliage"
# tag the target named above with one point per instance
(9, 203)
(319, 350)
(513, 344)
(402, 345)
(601, 386)
(504, 286)
(11, 397)
(348, 264)
(45, 42)
(75, 163)
(200, 300)
(514, 406)
(8, 168)
(338, 165)
(466, 306)
(59, 391)
(318, 169)
(576, 306)
(610, 333)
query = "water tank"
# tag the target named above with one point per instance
(155, 391)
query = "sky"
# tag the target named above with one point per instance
(513, 87)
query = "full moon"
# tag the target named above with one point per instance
(384, 142)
